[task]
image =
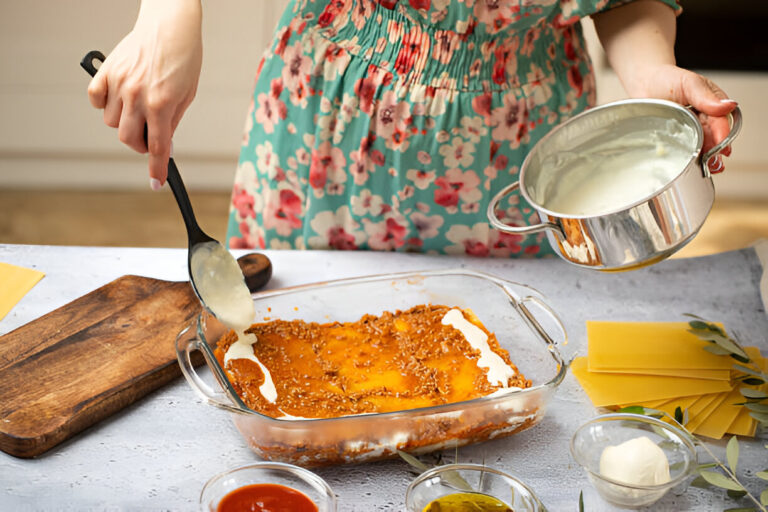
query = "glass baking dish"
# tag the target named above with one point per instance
(516, 313)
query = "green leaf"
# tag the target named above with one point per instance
(762, 417)
(413, 461)
(720, 480)
(753, 381)
(762, 474)
(728, 344)
(747, 369)
(732, 453)
(645, 411)
(633, 409)
(679, 415)
(581, 501)
(706, 466)
(741, 509)
(700, 482)
(740, 358)
(753, 393)
(735, 495)
(714, 349)
(757, 406)
(764, 497)
(698, 324)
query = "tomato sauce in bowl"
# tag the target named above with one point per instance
(266, 498)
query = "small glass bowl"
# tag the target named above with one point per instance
(473, 478)
(288, 475)
(594, 436)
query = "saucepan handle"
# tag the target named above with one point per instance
(519, 230)
(186, 344)
(735, 120)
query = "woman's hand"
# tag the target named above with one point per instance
(639, 39)
(688, 88)
(150, 78)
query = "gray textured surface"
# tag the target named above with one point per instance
(158, 453)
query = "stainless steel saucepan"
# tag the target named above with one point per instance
(620, 186)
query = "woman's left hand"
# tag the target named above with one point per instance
(688, 88)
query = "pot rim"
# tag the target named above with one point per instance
(696, 125)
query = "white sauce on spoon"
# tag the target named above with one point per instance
(221, 286)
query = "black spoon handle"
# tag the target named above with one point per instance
(194, 233)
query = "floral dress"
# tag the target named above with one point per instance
(390, 124)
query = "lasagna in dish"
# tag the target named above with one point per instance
(426, 356)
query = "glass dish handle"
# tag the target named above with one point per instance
(185, 346)
(533, 321)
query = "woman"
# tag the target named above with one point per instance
(389, 124)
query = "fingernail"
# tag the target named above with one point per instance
(733, 102)
(155, 184)
(171, 154)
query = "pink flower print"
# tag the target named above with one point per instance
(406, 192)
(297, 67)
(420, 178)
(388, 4)
(386, 235)
(413, 50)
(328, 162)
(267, 160)
(424, 158)
(334, 61)
(243, 202)
(365, 88)
(335, 230)
(391, 118)
(575, 80)
(446, 43)
(472, 241)
(504, 244)
(420, 4)
(482, 105)
(367, 204)
(334, 9)
(283, 36)
(427, 226)
(248, 240)
(363, 162)
(361, 13)
(472, 128)
(299, 95)
(494, 14)
(529, 39)
(510, 121)
(470, 207)
(458, 153)
(282, 211)
(456, 185)
(271, 110)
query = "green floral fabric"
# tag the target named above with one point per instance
(389, 125)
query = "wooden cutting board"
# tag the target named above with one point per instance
(76, 365)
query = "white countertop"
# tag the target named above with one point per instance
(158, 453)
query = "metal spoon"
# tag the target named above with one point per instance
(215, 275)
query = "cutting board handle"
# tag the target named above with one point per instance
(257, 270)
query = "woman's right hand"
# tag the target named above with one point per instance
(150, 78)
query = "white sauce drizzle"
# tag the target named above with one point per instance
(499, 372)
(243, 349)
